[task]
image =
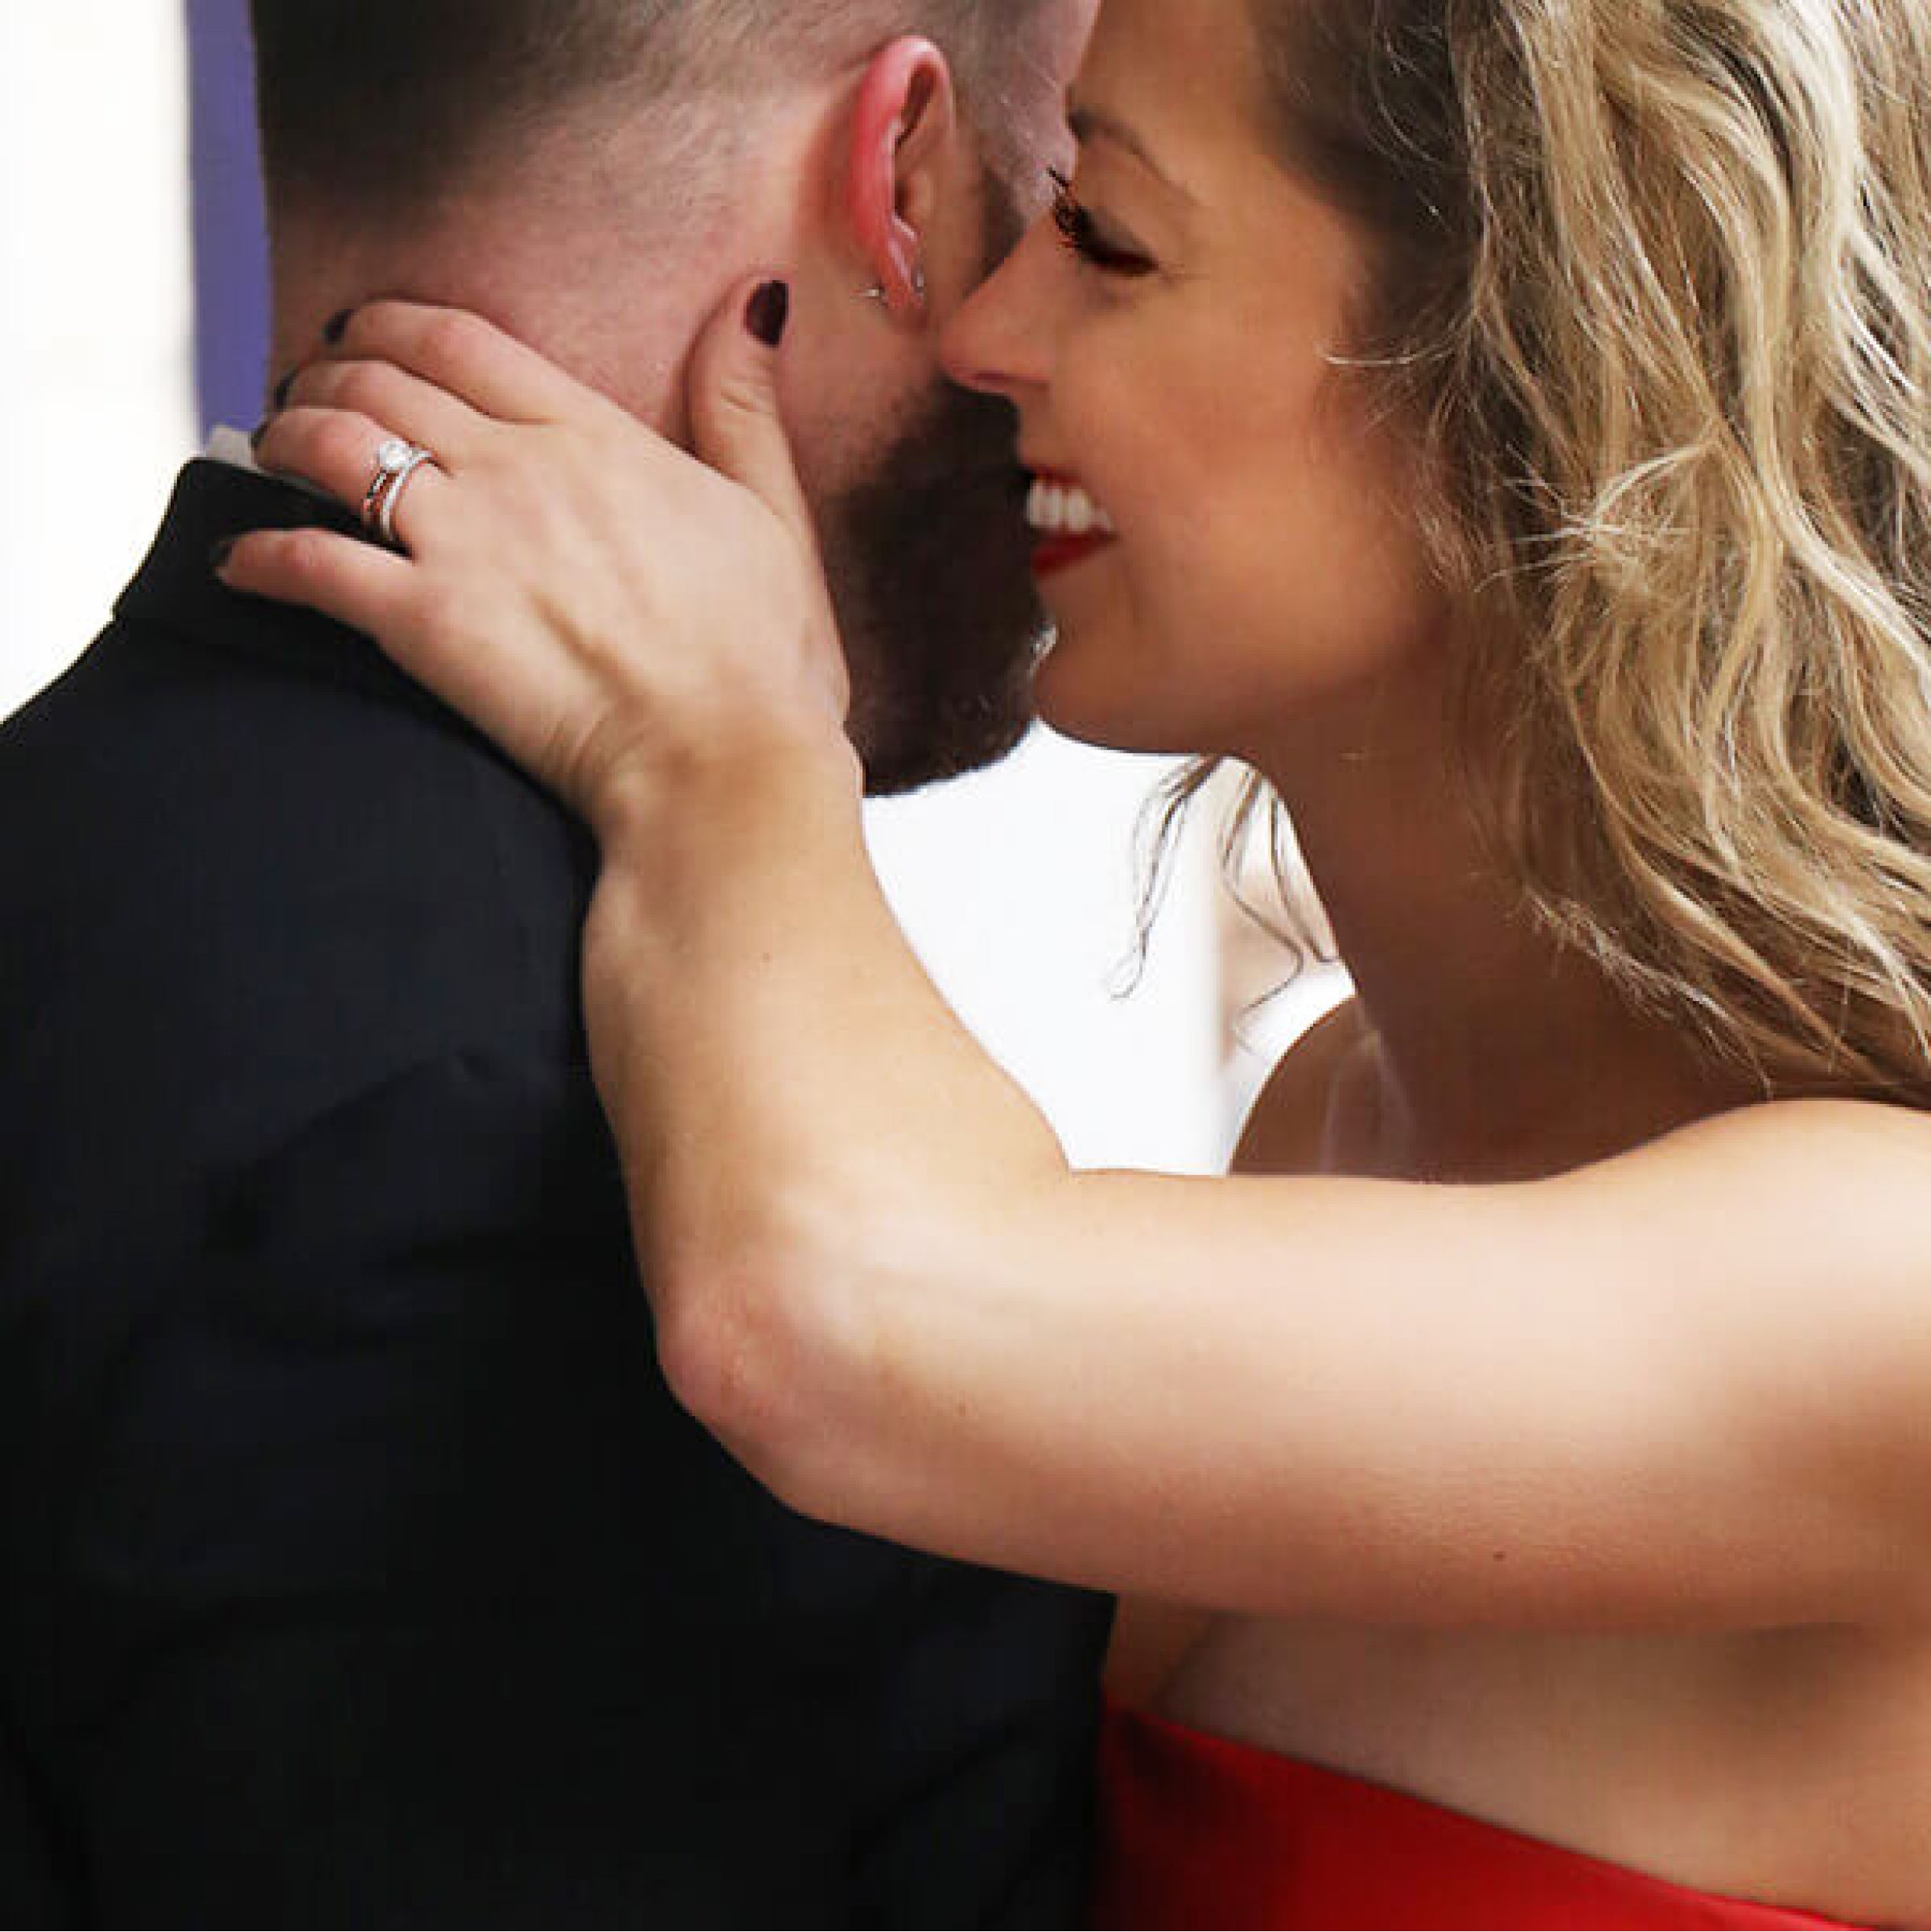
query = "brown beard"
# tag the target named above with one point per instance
(928, 557)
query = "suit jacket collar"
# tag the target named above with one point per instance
(177, 591)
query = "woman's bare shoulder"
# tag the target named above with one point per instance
(1288, 1125)
(1835, 1150)
(1814, 1204)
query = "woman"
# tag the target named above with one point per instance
(1502, 425)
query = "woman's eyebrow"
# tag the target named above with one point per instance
(1091, 124)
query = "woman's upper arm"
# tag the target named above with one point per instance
(1785, 1316)
(1283, 1134)
(1685, 1389)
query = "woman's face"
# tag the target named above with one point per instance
(1167, 340)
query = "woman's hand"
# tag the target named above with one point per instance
(614, 612)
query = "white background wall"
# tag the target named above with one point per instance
(1017, 888)
(95, 313)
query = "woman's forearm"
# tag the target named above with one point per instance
(785, 1081)
(875, 1277)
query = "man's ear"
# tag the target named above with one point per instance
(902, 139)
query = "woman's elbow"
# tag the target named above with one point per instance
(759, 1352)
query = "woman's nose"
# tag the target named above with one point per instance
(998, 341)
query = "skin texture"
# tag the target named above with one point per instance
(1544, 1431)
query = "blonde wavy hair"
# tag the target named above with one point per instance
(1653, 292)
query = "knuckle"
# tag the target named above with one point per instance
(557, 458)
(373, 322)
(442, 614)
(359, 386)
(450, 339)
(304, 556)
(574, 441)
(341, 442)
(315, 385)
(740, 395)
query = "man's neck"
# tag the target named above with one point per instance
(630, 369)
(617, 316)
(604, 248)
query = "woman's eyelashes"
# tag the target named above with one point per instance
(1085, 237)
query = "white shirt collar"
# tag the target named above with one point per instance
(232, 447)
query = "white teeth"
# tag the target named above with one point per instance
(1065, 509)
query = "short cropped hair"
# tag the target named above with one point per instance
(373, 105)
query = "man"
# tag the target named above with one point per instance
(359, 1568)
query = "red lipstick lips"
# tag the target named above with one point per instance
(1057, 549)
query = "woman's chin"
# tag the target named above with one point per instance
(1094, 709)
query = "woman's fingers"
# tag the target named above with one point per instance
(477, 646)
(732, 391)
(597, 601)
(337, 451)
(403, 404)
(357, 584)
(471, 359)
(479, 655)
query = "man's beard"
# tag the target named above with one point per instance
(929, 557)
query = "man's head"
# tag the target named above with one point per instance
(593, 174)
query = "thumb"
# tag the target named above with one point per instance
(736, 424)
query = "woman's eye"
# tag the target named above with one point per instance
(1082, 234)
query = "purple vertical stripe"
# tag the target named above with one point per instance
(230, 247)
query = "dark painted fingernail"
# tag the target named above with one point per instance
(768, 311)
(283, 388)
(221, 552)
(337, 326)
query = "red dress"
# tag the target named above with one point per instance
(1198, 1831)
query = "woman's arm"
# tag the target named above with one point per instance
(1685, 1388)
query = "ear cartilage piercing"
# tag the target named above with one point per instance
(877, 291)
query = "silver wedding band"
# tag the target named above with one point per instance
(396, 461)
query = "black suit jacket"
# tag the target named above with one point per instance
(358, 1567)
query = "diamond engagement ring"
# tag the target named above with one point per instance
(396, 461)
